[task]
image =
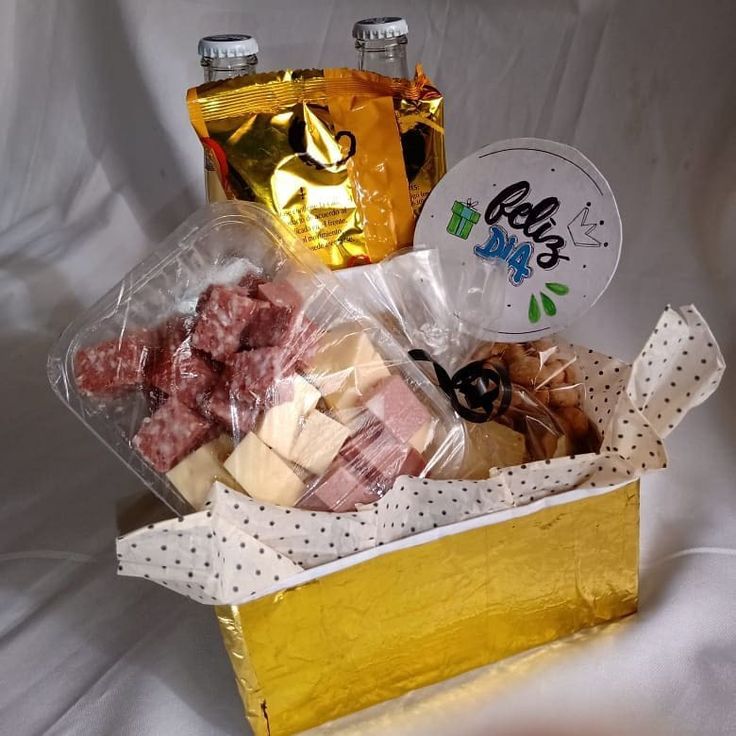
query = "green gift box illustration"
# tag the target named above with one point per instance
(464, 216)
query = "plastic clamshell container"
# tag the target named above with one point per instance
(219, 244)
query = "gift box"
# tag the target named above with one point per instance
(464, 216)
(325, 613)
(360, 631)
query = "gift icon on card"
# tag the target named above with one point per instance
(464, 216)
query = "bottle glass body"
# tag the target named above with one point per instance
(236, 66)
(386, 56)
(214, 71)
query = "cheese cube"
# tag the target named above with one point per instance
(318, 442)
(194, 475)
(263, 474)
(346, 366)
(280, 424)
(355, 418)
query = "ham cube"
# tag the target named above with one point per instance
(116, 365)
(222, 321)
(170, 434)
(413, 464)
(280, 294)
(341, 488)
(378, 452)
(394, 404)
(183, 373)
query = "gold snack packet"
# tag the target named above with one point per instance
(345, 158)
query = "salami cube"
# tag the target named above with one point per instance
(204, 297)
(173, 332)
(252, 283)
(269, 326)
(280, 294)
(393, 403)
(237, 417)
(183, 373)
(222, 321)
(255, 371)
(170, 434)
(116, 365)
(155, 399)
(376, 451)
(341, 488)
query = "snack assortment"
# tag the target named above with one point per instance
(258, 375)
(546, 407)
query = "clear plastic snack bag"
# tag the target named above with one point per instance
(547, 404)
(520, 401)
(231, 354)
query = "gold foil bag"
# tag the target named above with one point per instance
(345, 158)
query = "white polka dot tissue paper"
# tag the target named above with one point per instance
(238, 548)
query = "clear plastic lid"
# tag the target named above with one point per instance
(232, 354)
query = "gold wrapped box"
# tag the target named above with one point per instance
(361, 631)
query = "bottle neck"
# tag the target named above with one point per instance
(385, 56)
(227, 68)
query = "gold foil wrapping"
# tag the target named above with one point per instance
(413, 617)
(345, 158)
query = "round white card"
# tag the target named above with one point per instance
(546, 214)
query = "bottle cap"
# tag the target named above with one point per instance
(372, 29)
(227, 46)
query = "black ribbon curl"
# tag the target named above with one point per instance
(486, 390)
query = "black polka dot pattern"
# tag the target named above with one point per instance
(418, 504)
(239, 548)
(214, 561)
(679, 368)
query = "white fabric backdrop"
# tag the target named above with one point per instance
(99, 162)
